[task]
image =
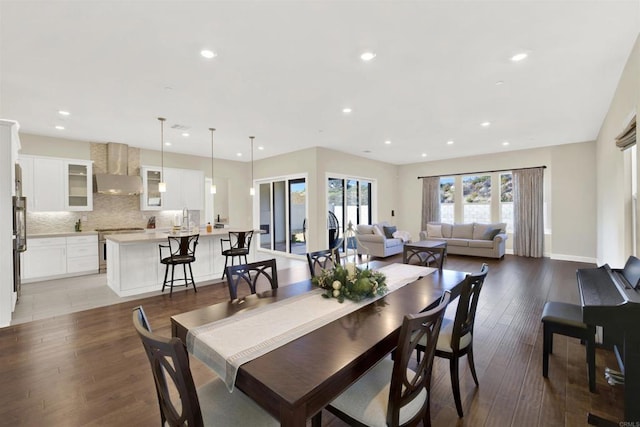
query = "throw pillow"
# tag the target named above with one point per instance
(434, 230)
(377, 231)
(491, 233)
(388, 231)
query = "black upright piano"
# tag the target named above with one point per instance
(611, 298)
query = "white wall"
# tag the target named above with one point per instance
(613, 175)
(317, 163)
(560, 161)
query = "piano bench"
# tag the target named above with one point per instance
(566, 319)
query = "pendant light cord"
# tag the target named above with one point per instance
(212, 131)
(252, 137)
(162, 119)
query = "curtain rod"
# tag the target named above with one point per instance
(475, 173)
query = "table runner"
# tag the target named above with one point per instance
(228, 343)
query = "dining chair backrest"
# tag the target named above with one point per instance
(407, 384)
(322, 260)
(467, 305)
(170, 362)
(251, 274)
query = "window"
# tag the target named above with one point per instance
(283, 212)
(355, 195)
(476, 193)
(447, 199)
(506, 200)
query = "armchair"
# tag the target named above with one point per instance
(377, 240)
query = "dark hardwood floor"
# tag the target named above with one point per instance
(88, 368)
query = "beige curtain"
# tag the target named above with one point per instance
(430, 200)
(627, 137)
(528, 220)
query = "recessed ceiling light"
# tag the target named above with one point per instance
(185, 134)
(424, 154)
(239, 154)
(367, 56)
(499, 82)
(519, 57)
(505, 143)
(387, 142)
(167, 143)
(208, 53)
(346, 110)
(63, 113)
(60, 127)
(261, 148)
(449, 142)
(485, 124)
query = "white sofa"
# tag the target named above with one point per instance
(476, 239)
(375, 242)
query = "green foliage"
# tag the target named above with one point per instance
(339, 283)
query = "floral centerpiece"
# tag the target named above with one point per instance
(350, 282)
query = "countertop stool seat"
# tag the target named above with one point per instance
(566, 319)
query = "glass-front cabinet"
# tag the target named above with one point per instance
(151, 198)
(79, 191)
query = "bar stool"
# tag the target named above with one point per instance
(182, 250)
(566, 319)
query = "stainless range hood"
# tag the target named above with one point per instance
(116, 181)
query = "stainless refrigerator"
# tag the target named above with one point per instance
(19, 229)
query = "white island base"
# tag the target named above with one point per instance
(133, 261)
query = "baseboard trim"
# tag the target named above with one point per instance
(563, 257)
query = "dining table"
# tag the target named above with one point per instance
(299, 378)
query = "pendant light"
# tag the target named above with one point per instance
(162, 185)
(252, 190)
(213, 186)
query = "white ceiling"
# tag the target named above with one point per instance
(285, 70)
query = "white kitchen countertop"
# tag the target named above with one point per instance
(161, 236)
(61, 234)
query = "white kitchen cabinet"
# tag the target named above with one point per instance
(185, 188)
(82, 254)
(151, 197)
(45, 257)
(172, 198)
(52, 257)
(78, 185)
(56, 185)
(43, 183)
(193, 189)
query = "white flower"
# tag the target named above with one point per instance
(336, 284)
(336, 293)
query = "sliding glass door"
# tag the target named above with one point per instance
(349, 200)
(283, 215)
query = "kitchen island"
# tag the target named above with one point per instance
(133, 260)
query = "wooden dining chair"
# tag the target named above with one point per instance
(209, 405)
(391, 393)
(456, 337)
(237, 245)
(251, 274)
(179, 250)
(322, 260)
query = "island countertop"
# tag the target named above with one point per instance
(161, 236)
